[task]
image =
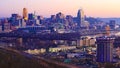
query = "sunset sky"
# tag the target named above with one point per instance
(94, 8)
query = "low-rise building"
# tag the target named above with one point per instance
(61, 48)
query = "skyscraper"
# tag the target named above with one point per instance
(60, 17)
(14, 16)
(112, 24)
(31, 16)
(80, 18)
(104, 49)
(25, 14)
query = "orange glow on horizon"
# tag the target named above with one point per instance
(94, 8)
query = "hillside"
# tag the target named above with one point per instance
(9, 59)
(13, 59)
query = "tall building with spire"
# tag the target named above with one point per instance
(80, 18)
(25, 14)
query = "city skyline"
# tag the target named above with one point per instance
(94, 8)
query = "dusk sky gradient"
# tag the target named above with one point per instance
(94, 8)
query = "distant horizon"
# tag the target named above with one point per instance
(47, 16)
(52, 14)
(55, 14)
(93, 8)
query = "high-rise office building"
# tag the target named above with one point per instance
(14, 16)
(80, 18)
(112, 24)
(69, 18)
(25, 14)
(31, 16)
(60, 17)
(53, 18)
(15, 20)
(104, 49)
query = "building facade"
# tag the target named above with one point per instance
(104, 49)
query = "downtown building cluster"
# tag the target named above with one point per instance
(59, 22)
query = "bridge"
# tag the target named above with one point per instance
(52, 36)
(46, 36)
(74, 36)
